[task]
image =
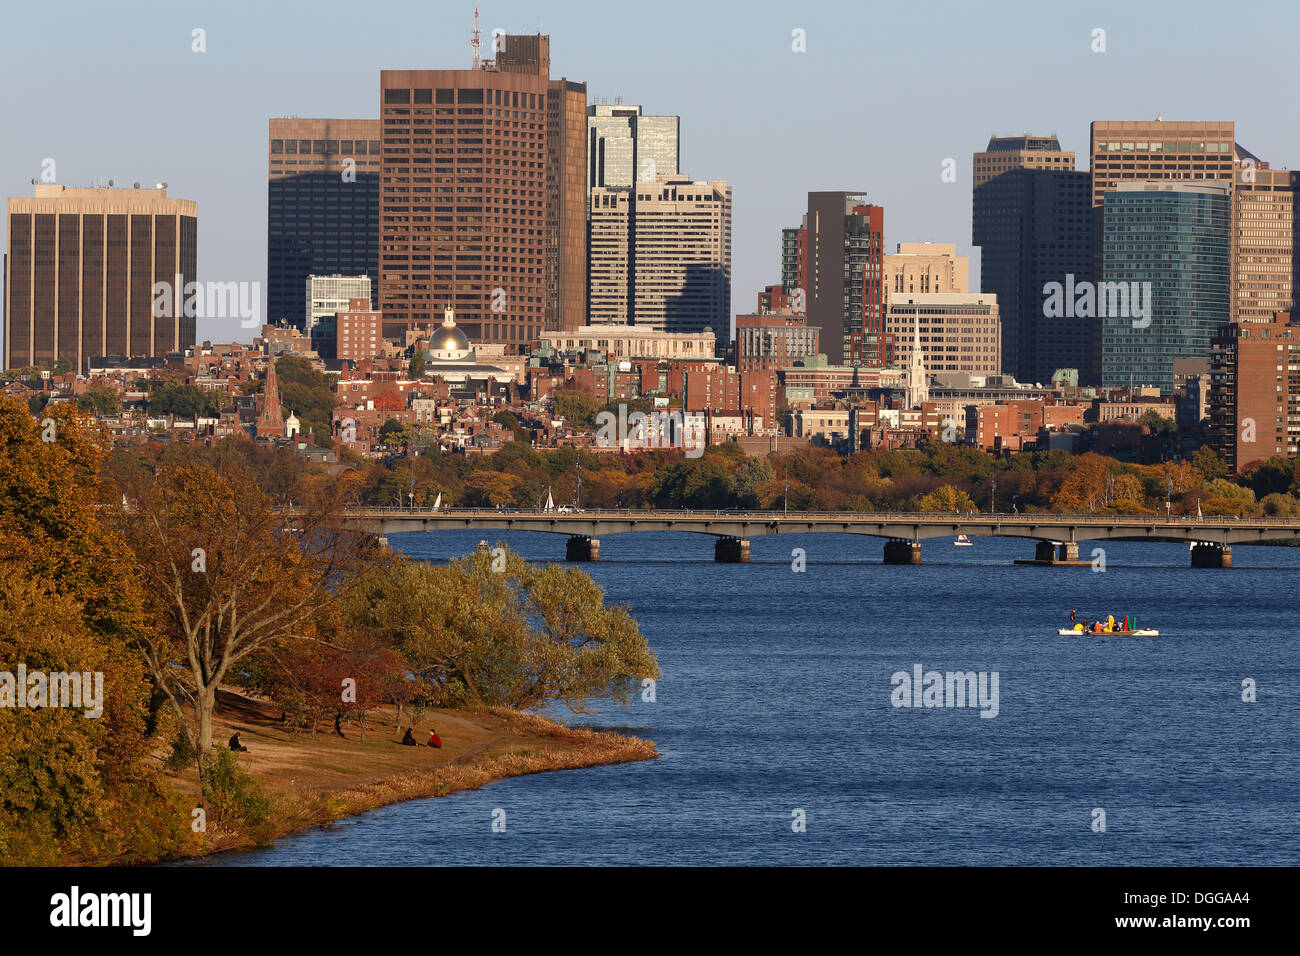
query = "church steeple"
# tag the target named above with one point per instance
(270, 423)
(918, 389)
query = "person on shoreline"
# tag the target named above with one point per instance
(408, 740)
(236, 745)
(434, 739)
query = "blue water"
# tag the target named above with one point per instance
(776, 696)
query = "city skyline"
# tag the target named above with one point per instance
(776, 140)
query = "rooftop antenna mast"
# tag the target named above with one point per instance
(476, 42)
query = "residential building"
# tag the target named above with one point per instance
(360, 331)
(844, 281)
(959, 332)
(774, 340)
(1254, 400)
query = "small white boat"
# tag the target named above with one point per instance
(963, 541)
(1145, 632)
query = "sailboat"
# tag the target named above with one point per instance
(550, 502)
(437, 502)
(963, 541)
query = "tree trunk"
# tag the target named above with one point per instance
(204, 706)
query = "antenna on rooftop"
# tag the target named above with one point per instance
(475, 42)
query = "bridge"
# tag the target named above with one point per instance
(1057, 536)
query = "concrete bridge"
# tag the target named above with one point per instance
(1057, 536)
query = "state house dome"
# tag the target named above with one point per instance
(448, 343)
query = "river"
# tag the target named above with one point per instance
(776, 707)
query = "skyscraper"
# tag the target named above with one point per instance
(482, 198)
(81, 269)
(1166, 252)
(794, 258)
(1150, 150)
(625, 147)
(844, 274)
(1032, 218)
(1264, 221)
(609, 249)
(1005, 153)
(322, 207)
(1254, 401)
(681, 255)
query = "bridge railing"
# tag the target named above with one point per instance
(931, 517)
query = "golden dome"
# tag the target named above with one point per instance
(448, 339)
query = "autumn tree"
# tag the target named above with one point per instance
(946, 498)
(69, 602)
(227, 576)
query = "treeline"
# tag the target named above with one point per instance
(940, 477)
(175, 573)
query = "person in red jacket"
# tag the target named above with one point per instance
(434, 739)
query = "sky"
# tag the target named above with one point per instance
(880, 97)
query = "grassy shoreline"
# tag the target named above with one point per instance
(315, 780)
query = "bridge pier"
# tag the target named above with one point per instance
(580, 547)
(731, 551)
(1055, 554)
(1208, 555)
(900, 551)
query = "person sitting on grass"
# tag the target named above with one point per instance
(236, 745)
(409, 739)
(434, 739)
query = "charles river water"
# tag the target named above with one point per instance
(777, 697)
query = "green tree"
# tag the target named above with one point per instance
(491, 629)
(1209, 463)
(100, 400)
(1270, 477)
(393, 432)
(1156, 422)
(416, 368)
(577, 408)
(306, 392)
(183, 401)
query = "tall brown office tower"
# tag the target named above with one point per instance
(845, 275)
(1264, 221)
(482, 196)
(81, 270)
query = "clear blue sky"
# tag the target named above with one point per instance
(884, 93)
